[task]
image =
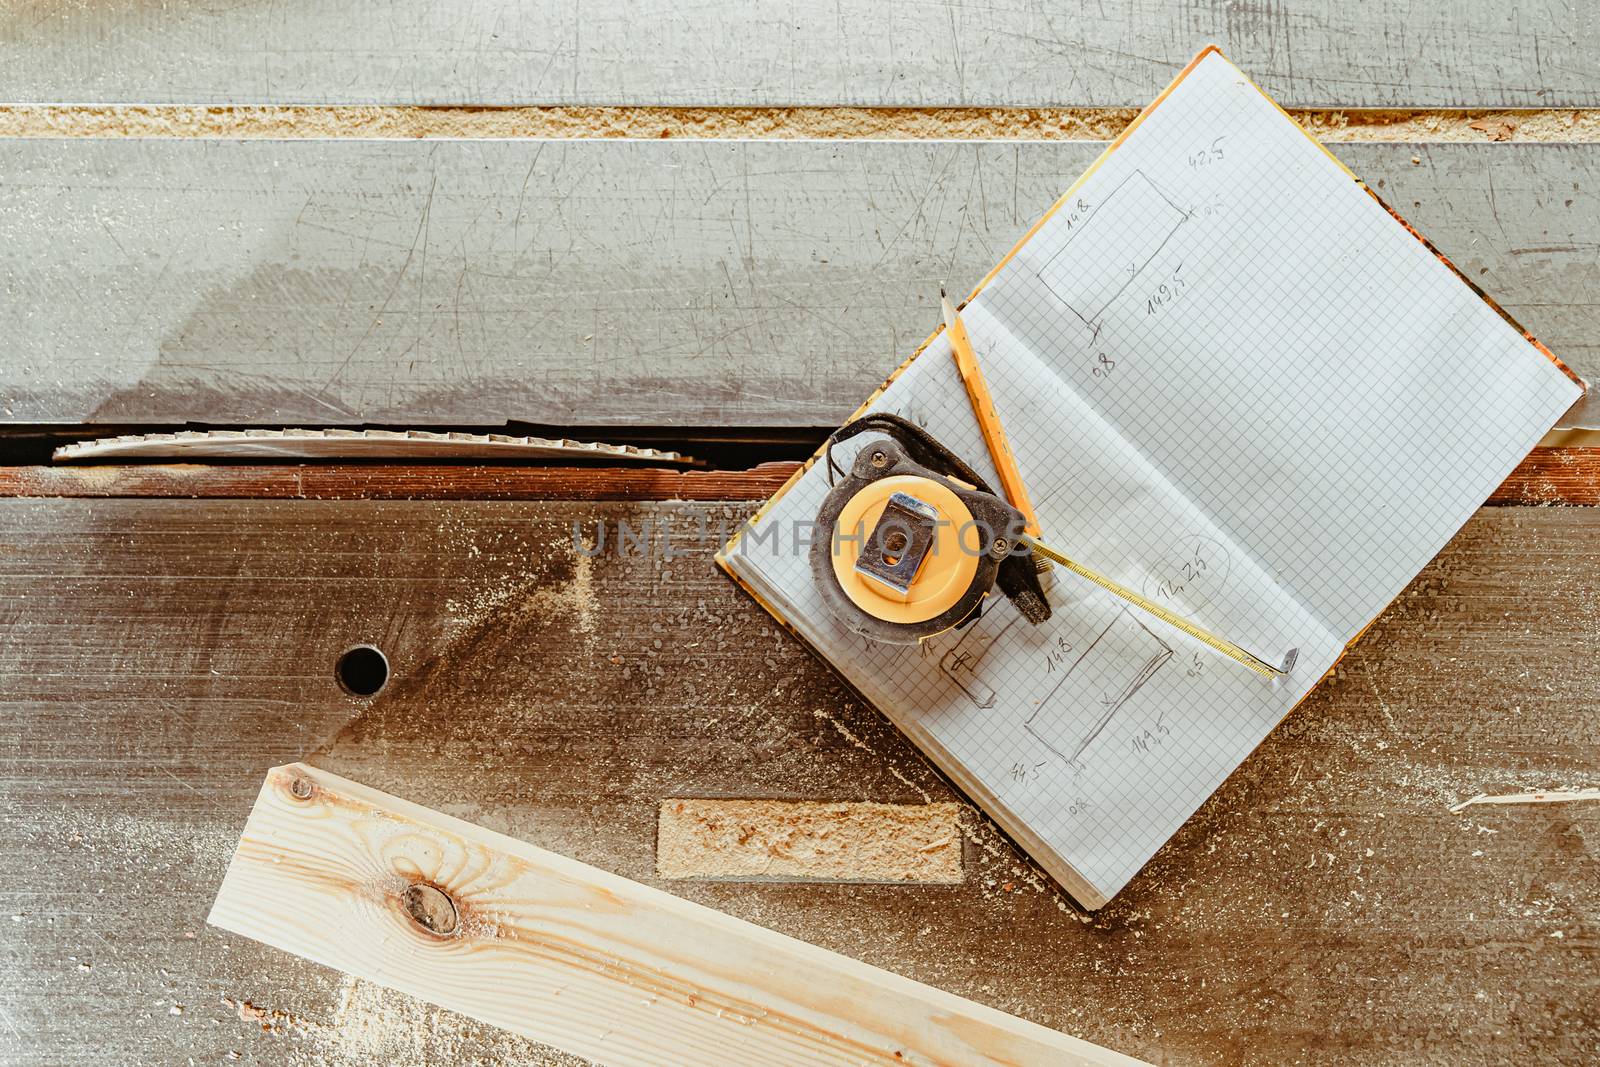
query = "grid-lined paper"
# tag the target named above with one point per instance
(1232, 382)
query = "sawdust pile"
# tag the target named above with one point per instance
(530, 598)
(144, 850)
(372, 1026)
(859, 842)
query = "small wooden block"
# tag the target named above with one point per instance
(587, 961)
(809, 840)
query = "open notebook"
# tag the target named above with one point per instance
(1234, 382)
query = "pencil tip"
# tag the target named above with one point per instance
(942, 294)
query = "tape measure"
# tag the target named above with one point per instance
(910, 541)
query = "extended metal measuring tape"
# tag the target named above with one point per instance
(911, 540)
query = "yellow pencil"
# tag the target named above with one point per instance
(994, 435)
(1011, 480)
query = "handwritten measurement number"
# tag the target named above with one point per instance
(1192, 569)
(1025, 772)
(1150, 737)
(1079, 212)
(1207, 156)
(1167, 292)
(1057, 655)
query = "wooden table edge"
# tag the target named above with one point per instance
(1548, 476)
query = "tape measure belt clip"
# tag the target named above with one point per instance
(899, 545)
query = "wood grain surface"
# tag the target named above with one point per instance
(442, 481)
(1551, 476)
(540, 945)
(1323, 907)
(468, 283)
(1378, 53)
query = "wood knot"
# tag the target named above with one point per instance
(430, 908)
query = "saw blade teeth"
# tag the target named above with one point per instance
(340, 443)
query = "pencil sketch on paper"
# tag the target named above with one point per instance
(1108, 244)
(1091, 667)
(1106, 675)
(963, 662)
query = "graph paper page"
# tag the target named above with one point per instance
(1101, 730)
(1233, 383)
(1289, 355)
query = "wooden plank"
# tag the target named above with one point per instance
(160, 655)
(396, 482)
(533, 942)
(1553, 476)
(1568, 476)
(599, 283)
(1376, 54)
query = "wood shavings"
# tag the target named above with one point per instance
(371, 1026)
(844, 731)
(774, 123)
(1554, 796)
(1497, 129)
